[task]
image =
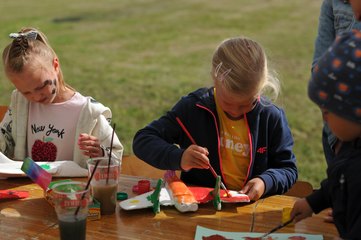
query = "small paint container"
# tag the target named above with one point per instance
(122, 196)
(143, 186)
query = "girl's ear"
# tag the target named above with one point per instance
(56, 65)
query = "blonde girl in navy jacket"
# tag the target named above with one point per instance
(244, 136)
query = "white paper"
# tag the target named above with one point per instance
(11, 168)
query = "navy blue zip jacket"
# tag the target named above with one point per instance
(162, 143)
(341, 191)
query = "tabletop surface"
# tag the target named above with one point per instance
(35, 218)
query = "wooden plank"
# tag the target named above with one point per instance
(131, 165)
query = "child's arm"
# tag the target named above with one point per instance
(95, 140)
(314, 203)
(155, 144)
(7, 143)
(326, 31)
(281, 172)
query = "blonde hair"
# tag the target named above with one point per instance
(29, 51)
(240, 64)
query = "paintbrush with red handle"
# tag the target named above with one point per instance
(194, 142)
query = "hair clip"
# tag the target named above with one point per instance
(223, 75)
(216, 70)
(31, 35)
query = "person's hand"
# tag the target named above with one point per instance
(195, 157)
(301, 209)
(254, 188)
(90, 145)
(329, 217)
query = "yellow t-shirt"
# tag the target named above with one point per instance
(235, 149)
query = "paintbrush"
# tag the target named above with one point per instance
(221, 183)
(194, 142)
(278, 227)
(110, 154)
(87, 186)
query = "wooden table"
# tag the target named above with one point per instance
(34, 218)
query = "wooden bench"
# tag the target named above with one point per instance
(300, 189)
(131, 165)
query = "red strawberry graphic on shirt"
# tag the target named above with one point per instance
(44, 150)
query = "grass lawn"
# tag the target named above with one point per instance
(139, 57)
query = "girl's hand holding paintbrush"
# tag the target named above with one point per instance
(195, 157)
(200, 153)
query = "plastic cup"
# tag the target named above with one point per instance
(104, 184)
(71, 201)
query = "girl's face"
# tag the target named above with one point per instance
(37, 84)
(342, 128)
(232, 104)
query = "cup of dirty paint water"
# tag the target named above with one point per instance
(71, 200)
(104, 184)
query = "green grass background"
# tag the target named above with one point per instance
(140, 56)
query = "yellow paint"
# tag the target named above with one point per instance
(134, 201)
(286, 214)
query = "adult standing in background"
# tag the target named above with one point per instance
(336, 16)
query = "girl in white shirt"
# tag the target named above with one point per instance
(48, 120)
